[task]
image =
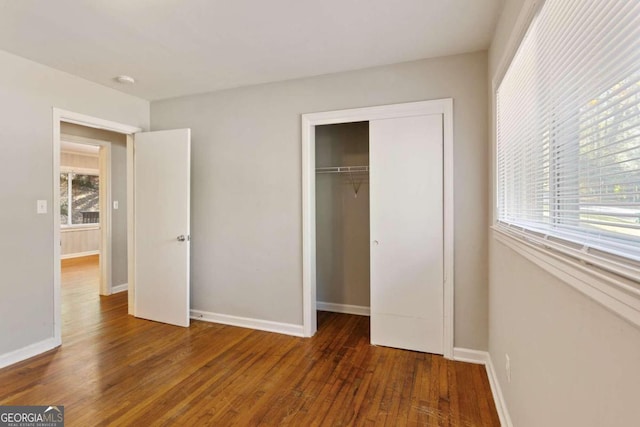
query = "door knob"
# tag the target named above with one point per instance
(181, 238)
(375, 242)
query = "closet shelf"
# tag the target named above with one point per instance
(343, 169)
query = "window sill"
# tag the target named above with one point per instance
(615, 293)
(79, 227)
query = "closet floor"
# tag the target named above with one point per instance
(115, 369)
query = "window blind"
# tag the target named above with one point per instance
(568, 128)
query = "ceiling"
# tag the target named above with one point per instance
(180, 47)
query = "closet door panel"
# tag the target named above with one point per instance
(406, 187)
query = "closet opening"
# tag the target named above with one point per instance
(408, 243)
(342, 220)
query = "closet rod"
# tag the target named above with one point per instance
(343, 169)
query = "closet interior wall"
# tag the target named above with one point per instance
(342, 216)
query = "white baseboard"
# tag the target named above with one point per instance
(470, 356)
(79, 254)
(484, 358)
(119, 288)
(501, 405)
(246, 322)
(26, 352)
(343, 308)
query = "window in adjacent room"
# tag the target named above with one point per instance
(79, 199)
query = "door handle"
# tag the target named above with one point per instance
(375, 242)
(181, 238)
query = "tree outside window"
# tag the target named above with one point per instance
(609, 166)
(79, 199)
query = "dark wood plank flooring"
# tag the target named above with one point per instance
(113, 369)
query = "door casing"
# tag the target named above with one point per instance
(60, 115)
(308, 124)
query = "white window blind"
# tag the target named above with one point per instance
(568, 130)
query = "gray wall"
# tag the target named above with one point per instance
(246, 183)
(573, 362)
(118, 192)
(342, 220)
(28, 91)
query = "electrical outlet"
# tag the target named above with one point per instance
(507, 366)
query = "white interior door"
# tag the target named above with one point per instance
(406, 199)
(161, 210)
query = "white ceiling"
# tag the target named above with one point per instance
(180, 47)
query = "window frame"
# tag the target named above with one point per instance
(78, 171)
(612, 281)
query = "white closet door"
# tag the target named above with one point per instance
(406, 199)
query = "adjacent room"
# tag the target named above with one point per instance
(418, 212)
(93, 248)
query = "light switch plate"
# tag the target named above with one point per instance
(42, 206)
(115, 204)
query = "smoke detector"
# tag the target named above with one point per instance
(125, 80)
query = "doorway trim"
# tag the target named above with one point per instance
(60, 115)
(308, 123)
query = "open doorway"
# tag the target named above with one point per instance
(82, 190)
(342, 224)
(157, 273)
(94, 271)
(93, 219)
(342, 221)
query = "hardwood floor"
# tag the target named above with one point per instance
(113, 369)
